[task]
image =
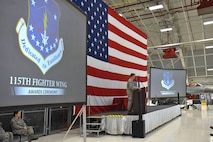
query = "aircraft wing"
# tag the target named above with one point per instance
(199, 89)
(195, 89)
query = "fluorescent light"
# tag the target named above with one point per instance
(208, 47)
(166, 29)
(207, 22)
(155, 7)
(210, 69)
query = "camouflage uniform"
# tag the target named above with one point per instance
(5, 136)
(130, 89)
(17, 126)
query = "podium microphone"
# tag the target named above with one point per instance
(139, 82)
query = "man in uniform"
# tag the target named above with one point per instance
(131, 86)
(5, 136)
(19, 127)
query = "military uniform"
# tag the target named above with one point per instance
(5, 136)
(17, 126)
(131, 86)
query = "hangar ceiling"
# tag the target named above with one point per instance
(189, 36)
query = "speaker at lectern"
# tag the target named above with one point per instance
(139, 101)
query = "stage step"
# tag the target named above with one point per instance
(96, 131)
(95, 116)
(94, 124)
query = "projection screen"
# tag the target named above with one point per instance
(43, 53)
(166, 83)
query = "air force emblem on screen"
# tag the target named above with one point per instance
(39, 40)
(167, 81)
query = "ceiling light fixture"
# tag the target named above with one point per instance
(166, 29)
(155, 7)
(210, 69)
(207, 22)
(121, 14)
(208, 47)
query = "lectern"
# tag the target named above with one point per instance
(139, 101)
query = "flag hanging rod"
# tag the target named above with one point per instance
(181, 43)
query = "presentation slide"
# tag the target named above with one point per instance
(166, 83)
(43, 53)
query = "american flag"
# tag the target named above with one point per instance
(116, 48)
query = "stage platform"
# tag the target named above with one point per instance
(120, 122)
